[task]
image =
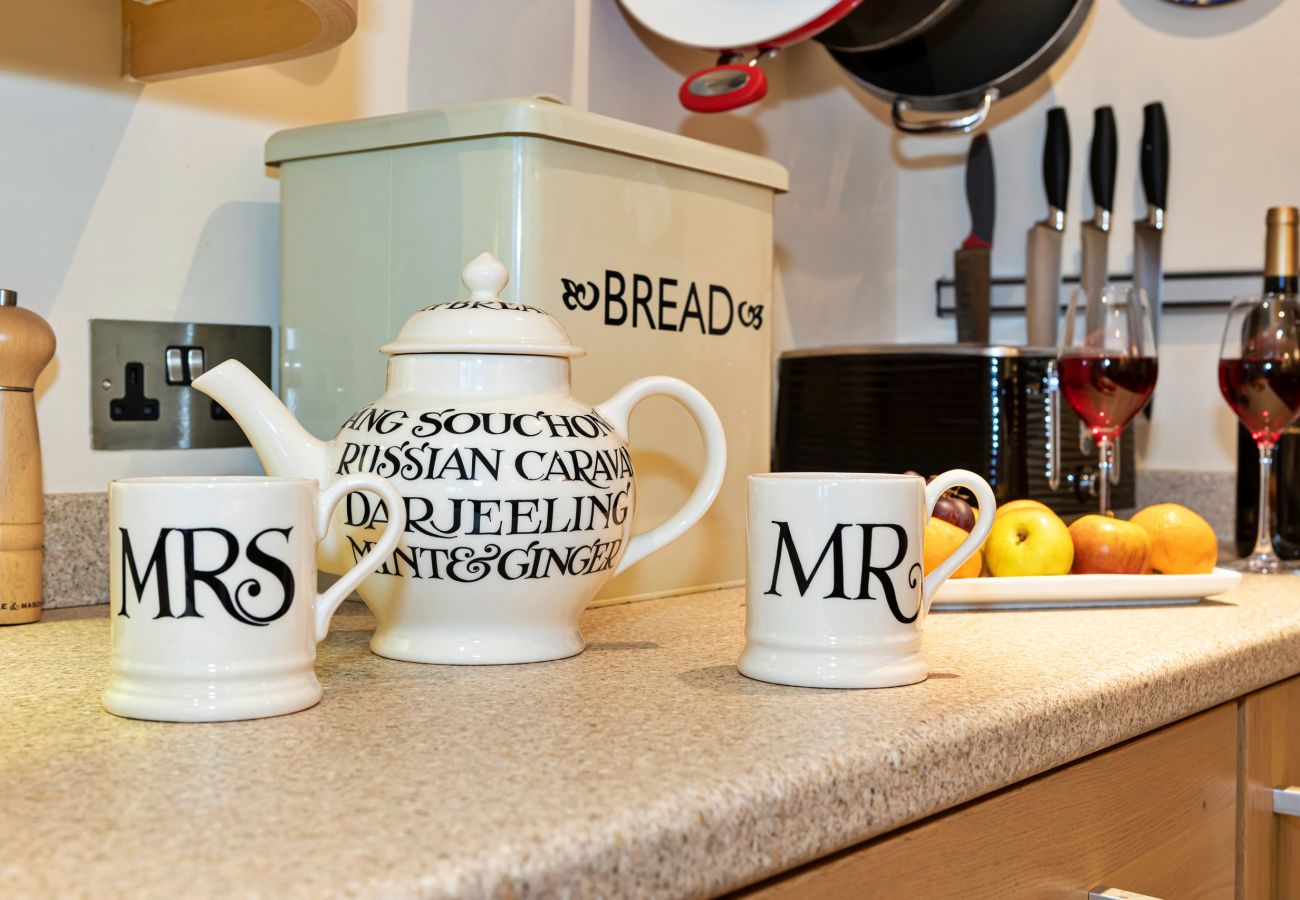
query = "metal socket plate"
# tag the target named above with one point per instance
(185, 417)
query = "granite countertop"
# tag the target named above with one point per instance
(647, 766)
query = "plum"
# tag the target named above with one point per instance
(956, 511)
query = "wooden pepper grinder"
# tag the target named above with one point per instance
(26, 347)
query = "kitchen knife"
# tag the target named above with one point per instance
(1043, 250)
(971, 261)
(1101, 174)
(1148, 231)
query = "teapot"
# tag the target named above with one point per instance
(519, 498)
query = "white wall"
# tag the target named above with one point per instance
(151, 202)
(1226, 77)
(122, 201)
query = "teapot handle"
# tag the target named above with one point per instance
(616, 411)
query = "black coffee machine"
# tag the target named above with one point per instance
(929, 408)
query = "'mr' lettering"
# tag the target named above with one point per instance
(834, 548)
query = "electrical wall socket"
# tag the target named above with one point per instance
(140, 393)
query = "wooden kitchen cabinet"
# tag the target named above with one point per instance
(164, 39)
(1270, 751)
(1183, 812)
(1157, 815)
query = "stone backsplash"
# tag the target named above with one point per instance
(76, 549)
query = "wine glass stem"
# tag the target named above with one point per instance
(1264, 533)
(1105, 465)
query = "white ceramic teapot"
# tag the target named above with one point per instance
(519, 498)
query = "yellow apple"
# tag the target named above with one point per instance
(1020, 504)
(1106, 545)
(1028, 541)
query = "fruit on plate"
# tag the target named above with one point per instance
(1104, 545)
(1028, 540)
(940, 542)
(1020, 504)
(1182, 543)
(956, 511)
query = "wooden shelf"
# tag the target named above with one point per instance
(164, 39)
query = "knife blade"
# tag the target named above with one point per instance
(1101, 175)
(971, 261)
(1149, 230)
(1043, 244)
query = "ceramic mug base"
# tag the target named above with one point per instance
(210, 701)
(822, 669)
(422, 647)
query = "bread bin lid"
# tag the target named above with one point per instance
(542, 116)
(484, 323)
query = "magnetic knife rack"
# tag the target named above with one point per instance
(1189, 291)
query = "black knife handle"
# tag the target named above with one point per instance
(1056, 158)
(980, 191)
(1155, 154)
(1101, 167)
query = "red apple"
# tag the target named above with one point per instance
(1104, 545)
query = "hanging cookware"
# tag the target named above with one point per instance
(743, 32)
(877, 25)
(973, 55)
(746, 32)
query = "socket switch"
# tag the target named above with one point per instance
(141, 372)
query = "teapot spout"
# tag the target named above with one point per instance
(285, 448)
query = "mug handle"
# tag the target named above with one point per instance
(616, 411)
(328, 603)
(988, 508)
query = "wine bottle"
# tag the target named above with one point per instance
(1281, 275)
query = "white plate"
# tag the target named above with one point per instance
(1045, 592)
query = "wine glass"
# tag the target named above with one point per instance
(1107, 368)
(1259, 375)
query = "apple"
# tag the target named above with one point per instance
(1020, 504)
(1028, 540)
(1103, 544)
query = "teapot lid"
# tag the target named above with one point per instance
(484, 323)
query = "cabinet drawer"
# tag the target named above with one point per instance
(1156, 816)
(1270, 749)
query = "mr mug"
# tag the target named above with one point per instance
(212, 585)
(836, 593)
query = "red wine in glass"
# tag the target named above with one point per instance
(1259, 376)
(1107, 391)
(1264, 393)
(1107, 369)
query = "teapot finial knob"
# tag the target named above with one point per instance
(485, 276)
